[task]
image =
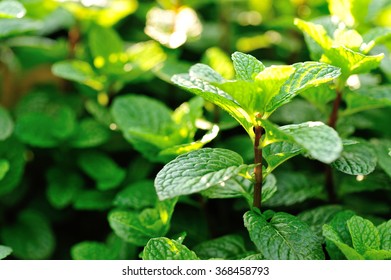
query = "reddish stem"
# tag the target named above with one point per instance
(334, 114)
(258, 168)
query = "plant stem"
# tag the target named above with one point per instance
(334, 113)
(329, 181)
(258, 168)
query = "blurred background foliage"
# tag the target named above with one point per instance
(74, 145)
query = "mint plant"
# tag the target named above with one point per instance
(251, 99)
(338, 42)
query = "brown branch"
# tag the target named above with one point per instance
(258, 168)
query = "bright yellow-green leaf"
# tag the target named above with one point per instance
(351, 62)
(105, 13)
(316, 31)
(351, 12)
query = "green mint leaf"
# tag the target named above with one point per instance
(31, 237)
(137, 195)
(18, 26)
(197, 171)
(293, 188)
(338, 224)
(220, 61)
(332, 236)
(320, 141)
(89, 250)
(44, 119)
(246, 66)
(319, 96)
(89, 133)
(306, 75)
(351, 12)
(195, 145)
(351, 62)
(106, 57)
(315, 31)
(375, 181)
(375, 36)
(279, 152)
(78, 71)
(254, 257)
(4, 168)
(385, 235)
(100, 113)
(5, 251)
(240, 186)
(271, 81)
(225, 247)
(11, 9)
(284, 237)
(163, 248)
(104, 50)
(93, 200)
(383, 151)
(129, 114)
(366, 99)
(319, 216)
(356, 159)
(372, 254)
(364, 234)
(63, 186)
(153, 131)
(102, 169)
(215, 95)
(138, 227)
(7, 125)
(12, 156)
(205, 73)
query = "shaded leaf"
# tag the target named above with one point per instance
(93, 200)
(31, 237)
(385, 235)
(319, 216)
(78, 71)
(332, 236)
(383, 151)
(339, 226)
(63, 186)
(89, 133)
(356, 159)
(364, 234)
(294, 188)
(366, 99)
(12, 164)
(90, 250)
(102, 169)
(139, 227)
(284, 237)
(137, 195)
(225, 247)
(7, 125)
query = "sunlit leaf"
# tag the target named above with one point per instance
(163, 248)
